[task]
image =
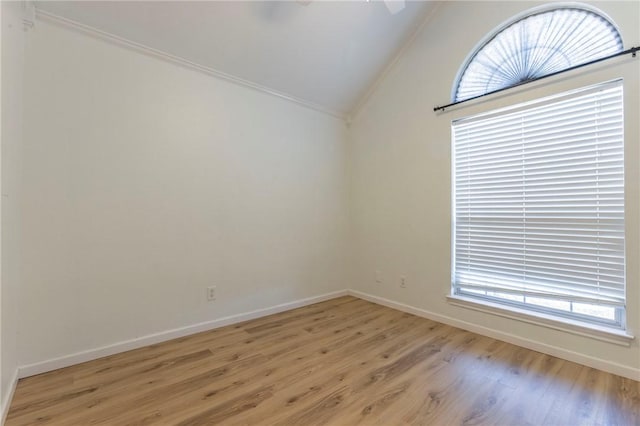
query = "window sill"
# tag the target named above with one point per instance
(604, 334)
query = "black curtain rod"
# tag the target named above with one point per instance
(631, 51)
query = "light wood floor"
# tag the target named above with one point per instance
(341, 362)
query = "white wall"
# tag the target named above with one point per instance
(145, 182)
(10, 136)
(401, 175)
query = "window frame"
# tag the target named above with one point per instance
(617, 327)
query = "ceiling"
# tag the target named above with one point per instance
(324, 53)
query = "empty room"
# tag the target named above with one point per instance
(316, 212)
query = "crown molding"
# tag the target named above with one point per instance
(381, 77)
(177, 60)
(28, 15)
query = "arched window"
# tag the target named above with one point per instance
(540, 43)
(538, 214)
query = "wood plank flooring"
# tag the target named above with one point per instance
(341, 362)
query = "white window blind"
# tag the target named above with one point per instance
(539, 205)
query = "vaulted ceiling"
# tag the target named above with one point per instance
(324, 53)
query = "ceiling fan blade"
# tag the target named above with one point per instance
(394, 6)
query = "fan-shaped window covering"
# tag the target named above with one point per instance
(534, 46)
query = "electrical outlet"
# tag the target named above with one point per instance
(403, 281)
(211, 293)
(378, 277)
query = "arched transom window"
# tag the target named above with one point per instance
(538, 44)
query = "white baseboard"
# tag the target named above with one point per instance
(598, 363)
(89, 355)
(150, 339)
(6, 401)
